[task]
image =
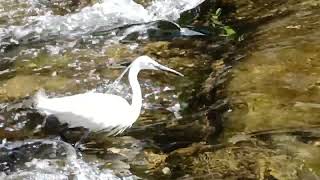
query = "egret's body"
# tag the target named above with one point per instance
(99, 111)
(85, 110)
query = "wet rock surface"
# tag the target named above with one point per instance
(270, 130)
(62, 7)
(272, 94)
(277, 86)
(65, 67)
(246, 160)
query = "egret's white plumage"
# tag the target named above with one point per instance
(99, 111)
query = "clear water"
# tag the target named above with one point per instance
(40, 49)
(271, 129)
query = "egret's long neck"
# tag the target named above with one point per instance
(136, 91)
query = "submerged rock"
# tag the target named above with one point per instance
(63, 7)
(24, 86)
(273, 94)
(241, 161)
(276, 85)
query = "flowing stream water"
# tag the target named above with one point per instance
(82, 51)
(247, 108)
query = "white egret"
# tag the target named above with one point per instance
(98, 111)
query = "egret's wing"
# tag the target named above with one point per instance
(94, 111)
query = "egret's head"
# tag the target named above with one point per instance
(145, 62)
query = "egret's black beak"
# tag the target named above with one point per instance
(164, 68)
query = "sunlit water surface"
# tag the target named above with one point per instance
(78, 52)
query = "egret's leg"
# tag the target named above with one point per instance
(81, 140)
(62, 133)
(44, 122)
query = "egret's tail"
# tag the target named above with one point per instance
(39, 97)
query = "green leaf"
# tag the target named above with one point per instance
(218, 12)
(229, 31)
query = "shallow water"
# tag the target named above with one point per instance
(68, 54)
(270, 95)
(274, 91)
(278, 84)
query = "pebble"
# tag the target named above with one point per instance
(166, 171)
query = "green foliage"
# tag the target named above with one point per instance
(215, 18)
(216, 23)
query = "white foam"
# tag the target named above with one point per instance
(108, 14)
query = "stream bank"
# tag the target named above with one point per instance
(272, 90)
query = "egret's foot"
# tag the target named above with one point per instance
(79, 146)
